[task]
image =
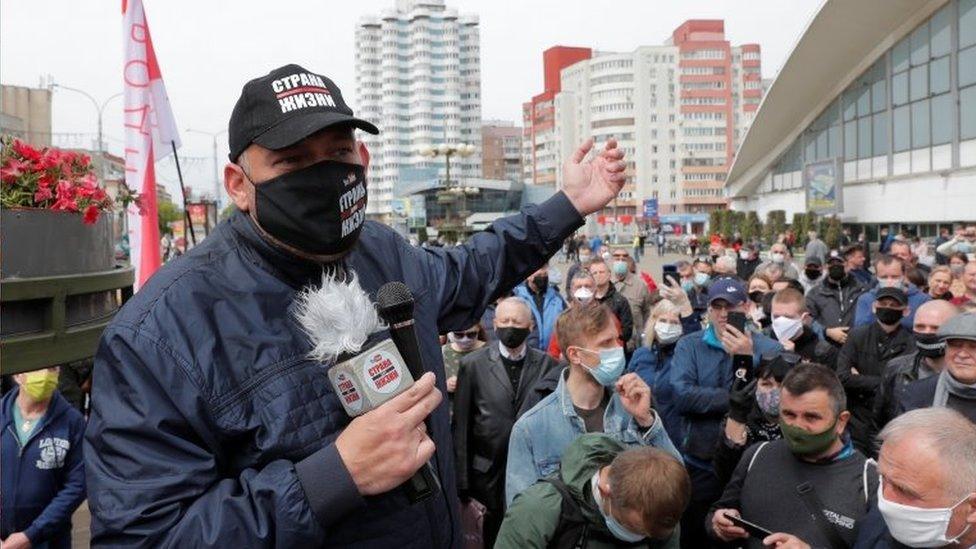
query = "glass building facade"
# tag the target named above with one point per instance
(912, 111)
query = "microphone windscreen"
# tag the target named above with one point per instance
(395, 302)
(337, 317)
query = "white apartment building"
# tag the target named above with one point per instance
(418, 77)
(678, 111)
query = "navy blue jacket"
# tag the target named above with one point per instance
(43, 482)
(872, 532)
(653, 365)
(702, 376)
(210, 425)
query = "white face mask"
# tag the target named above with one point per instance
(744, 255)
(917, 526)
(583, 295)
(778, 258)
(786, 328)
(666, 332)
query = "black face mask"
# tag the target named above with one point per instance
(929, 345)
(512, 337)
(836, 272)
(812, 274)
(541, 283)
(756, 296)
(319, 209)
(888, 316)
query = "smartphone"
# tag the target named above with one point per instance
(754, 530)
(737, 320)
(669, 271)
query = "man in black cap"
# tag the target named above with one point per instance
(863, 358)
(955, 386)
(833, 301)
(214, 422)
(812, 272)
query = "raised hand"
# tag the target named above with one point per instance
(592, 184)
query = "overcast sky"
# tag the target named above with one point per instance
(208, 49)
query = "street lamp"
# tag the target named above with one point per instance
(451, 192)
(214, 136)
(100, 110)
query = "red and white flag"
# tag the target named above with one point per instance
(150, 134)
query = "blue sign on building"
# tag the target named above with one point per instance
(650, 208)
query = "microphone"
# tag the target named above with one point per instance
(395, 304)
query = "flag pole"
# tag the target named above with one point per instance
(187, 223)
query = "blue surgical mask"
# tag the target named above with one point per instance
(687, 285)
(964, 247)
(618, 530)
(620, 268)
(612, 362)
(702, 278)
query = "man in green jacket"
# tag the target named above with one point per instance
(603, 496)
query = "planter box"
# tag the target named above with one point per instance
(38, 243)
(59, 287)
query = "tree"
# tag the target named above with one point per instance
(833, 231)
(775, 225)
(751, 227)
(167, 212)
(715, 222)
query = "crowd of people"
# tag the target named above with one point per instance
(774, 383)
(739, 400)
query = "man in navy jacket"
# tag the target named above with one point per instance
(43, 473)
(212, 426)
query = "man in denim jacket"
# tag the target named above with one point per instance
(591, 397)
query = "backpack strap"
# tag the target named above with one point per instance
(572, 529)
(754, 456)
(808, 495)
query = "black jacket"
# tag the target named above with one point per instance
(745, 268)
(921, 393)
(898, 374)
(618, 304)
(485, 408)
(833, 304)
(868, 349)
(812, 348)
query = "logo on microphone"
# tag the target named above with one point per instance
(346, 387)
(382, 372)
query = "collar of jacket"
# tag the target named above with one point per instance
(844, 282)
(57, 407)
(294, 271)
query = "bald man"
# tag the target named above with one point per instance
(495, 387)
(927, 360)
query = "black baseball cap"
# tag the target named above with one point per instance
(893, 293)
(285, 106)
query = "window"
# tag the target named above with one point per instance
(918, 83)
(967, 110)
(939, 75)
(967, 23)
(941, 119)
(902, 129)
(940, 32)
(880, 123)
(899, 89)
(850, 140)
(920, 124)
(864, 137)
(967, 67)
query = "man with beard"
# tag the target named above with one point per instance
(213, 420)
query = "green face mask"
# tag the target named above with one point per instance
(805, 443)
(40, 385)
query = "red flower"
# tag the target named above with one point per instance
(91, 215)
(65, 204)
(43, 194)
(12, 169)
(26, 151)
(65, 190)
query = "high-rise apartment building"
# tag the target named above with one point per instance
(418, 77)
(538, 117)
(678, 110)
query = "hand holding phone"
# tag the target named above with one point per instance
(754, 530)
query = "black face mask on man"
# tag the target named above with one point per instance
(319, 209)
(836, 272)
(929, 345)
(888, 316)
